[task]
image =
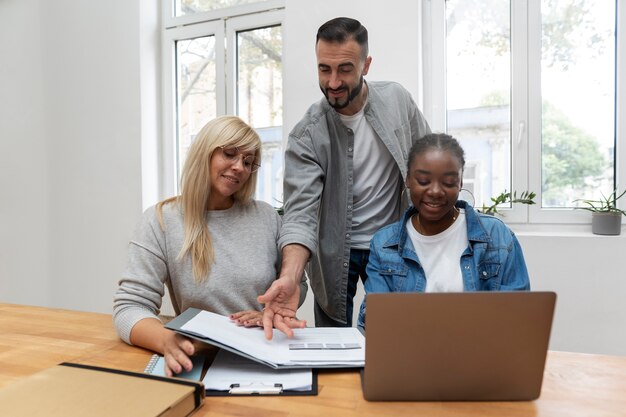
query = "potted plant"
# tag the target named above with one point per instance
(606, 218)
(526, 197)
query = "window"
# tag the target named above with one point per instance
(259, 99)
(529, 89)
(194, 7)
(195, 89)
(478, 93)
(577, 100)
(224, 62)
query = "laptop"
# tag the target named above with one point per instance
(470, 346)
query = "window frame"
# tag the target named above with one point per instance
(525, 104)
(224, 25)
(240, 24)
(170, 169)
(170, 20)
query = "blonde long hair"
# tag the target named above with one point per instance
(196, 186)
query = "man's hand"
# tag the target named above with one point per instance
(282, 297)
(281, 303)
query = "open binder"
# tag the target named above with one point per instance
(327, 347)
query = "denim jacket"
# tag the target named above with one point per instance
(493, 261)
(318, 182)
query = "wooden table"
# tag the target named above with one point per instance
(35, 338)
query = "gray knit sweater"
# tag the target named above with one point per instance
(247, 260)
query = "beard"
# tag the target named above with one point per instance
(338, 104)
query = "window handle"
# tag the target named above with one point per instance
(520, 132)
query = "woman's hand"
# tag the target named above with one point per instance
(150, 334)
(177, 349)
(248, 318)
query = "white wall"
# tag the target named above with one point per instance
(586, 271)
(70, 149)
(93, 115)
(24, 217)
(70, 167)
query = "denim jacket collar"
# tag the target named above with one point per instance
(475, 230)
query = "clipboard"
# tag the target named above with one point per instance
(243, 389)
(231, 374)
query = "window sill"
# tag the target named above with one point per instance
(561, 230)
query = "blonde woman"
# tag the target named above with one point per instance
(213, 245)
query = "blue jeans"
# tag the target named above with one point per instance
(358, 262)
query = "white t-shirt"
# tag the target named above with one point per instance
(375, 182)
(440, 255)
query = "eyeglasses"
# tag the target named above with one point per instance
(231, 155)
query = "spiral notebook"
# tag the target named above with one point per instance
(156, 366)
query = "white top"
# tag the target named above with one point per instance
(375, 176)
(440, 255)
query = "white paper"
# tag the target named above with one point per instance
(277, 351)
(228, 369)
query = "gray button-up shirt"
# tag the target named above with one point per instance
(318, 183)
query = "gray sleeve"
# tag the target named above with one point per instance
(304, 287)
(419, 125)
(141, 287)
(302, 186)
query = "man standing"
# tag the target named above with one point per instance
(344, 168)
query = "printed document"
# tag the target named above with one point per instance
(228, 369)
(312, 347)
